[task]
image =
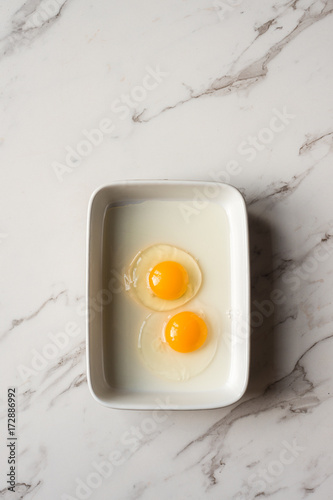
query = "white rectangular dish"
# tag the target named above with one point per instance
(207, 219)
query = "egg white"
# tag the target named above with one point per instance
(167, 363)
(136, 278)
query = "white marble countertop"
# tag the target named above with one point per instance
(232, 90)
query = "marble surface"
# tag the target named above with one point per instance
(232, 90)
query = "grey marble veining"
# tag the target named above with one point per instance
(236, 81)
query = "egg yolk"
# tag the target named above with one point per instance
(168, 280)
(186, 332)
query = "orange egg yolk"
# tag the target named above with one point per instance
(168, 280)
(186, 332)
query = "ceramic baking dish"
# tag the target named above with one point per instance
(103, 389)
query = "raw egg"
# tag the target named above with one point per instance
(163, 277)
(181, 344)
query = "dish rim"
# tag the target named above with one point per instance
(167, 182)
